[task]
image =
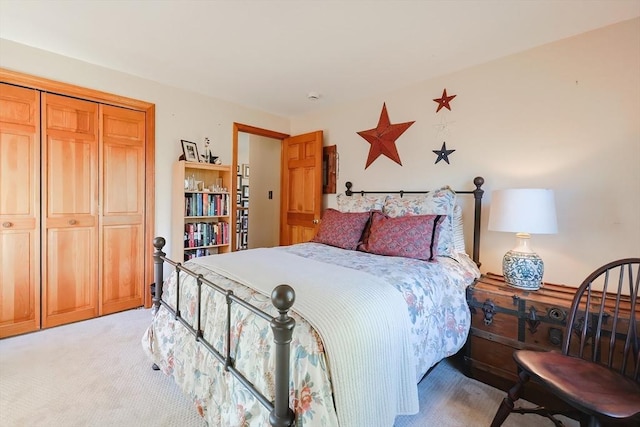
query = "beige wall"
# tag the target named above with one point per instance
(564, 116)
(179, 114)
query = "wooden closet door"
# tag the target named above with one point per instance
(122, 190)
(19, 210)
(70, 210)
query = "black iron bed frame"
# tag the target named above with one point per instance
(282, 297)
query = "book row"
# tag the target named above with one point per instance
(198, 234)
(206, 204)
(195, 253)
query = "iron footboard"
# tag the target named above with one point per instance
(282, 297)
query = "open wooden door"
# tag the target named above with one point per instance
(301, 193)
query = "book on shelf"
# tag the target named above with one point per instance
(206, 204)
(199, 234)
(196, 253)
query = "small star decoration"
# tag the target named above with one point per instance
(443, 129)
(444, 100)
(443, 153)
(383, 138)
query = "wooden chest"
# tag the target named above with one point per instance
(504, 318)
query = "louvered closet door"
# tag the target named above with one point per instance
(122, 209)
(70, 210)
(19, 210)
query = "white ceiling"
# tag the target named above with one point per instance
(269, 55)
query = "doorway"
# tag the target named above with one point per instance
(257, 155)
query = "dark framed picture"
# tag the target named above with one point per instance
(190, 151)
(245, 170)
(245, 191)
(245, 203)
(238, 198)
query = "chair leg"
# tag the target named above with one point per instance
(508, 402)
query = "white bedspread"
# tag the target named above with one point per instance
(368, 344)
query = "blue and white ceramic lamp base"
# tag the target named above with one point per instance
(523, 270)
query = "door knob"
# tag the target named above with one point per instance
(6, 224)
(316, 221)
(72, 222)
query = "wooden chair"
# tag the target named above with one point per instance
(597, 372)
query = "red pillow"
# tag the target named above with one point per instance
(409, 236)
(341, 229)
(367, 230)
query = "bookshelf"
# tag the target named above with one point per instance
(201, 210)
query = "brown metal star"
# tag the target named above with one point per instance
(383, 138)
(444, 101)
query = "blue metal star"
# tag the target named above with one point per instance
(443, 153)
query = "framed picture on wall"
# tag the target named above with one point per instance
(190, 151)
(245, 170)
(238, 198)
(245, 191)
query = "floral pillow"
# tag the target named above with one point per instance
(360, 202)
(410, 236)
(341, 229)
(458, 230)
(439, 202)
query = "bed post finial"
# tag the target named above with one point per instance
(158, 277)
(348, 184)
(282, 297)
(478, 181)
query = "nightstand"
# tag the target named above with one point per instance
(503, 319)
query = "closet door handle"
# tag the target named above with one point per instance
(72, 222)
(6, 224)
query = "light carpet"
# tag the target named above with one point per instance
(95, 373)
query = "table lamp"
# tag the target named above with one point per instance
(523, 211)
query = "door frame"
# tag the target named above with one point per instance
(237, 128)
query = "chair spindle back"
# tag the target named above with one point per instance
(603, 320)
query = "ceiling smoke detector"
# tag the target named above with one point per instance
(313, 96)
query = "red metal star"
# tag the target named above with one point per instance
(383, 138)
(444, 101)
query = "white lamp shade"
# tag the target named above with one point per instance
(523, 210)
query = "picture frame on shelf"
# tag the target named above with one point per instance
(245, 170)
(190, 151)
(245, 191)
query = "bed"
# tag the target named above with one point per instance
(334, 332)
